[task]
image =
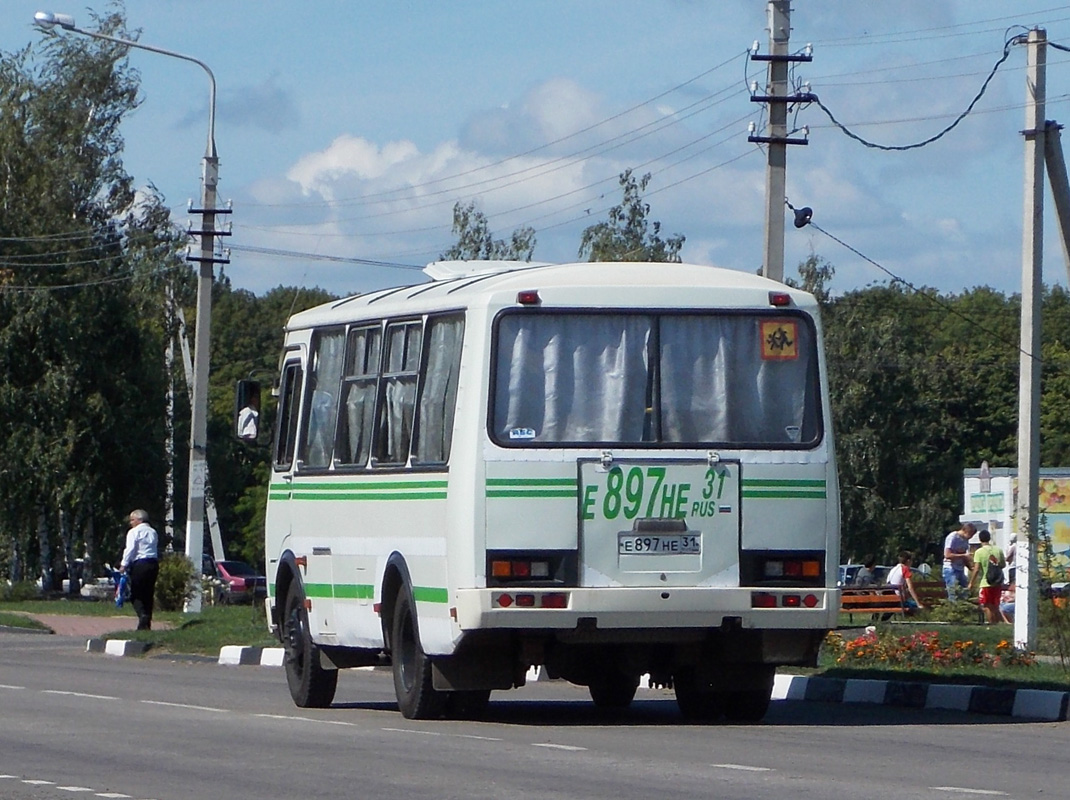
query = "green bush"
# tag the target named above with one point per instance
(174, 585)
(19, 592)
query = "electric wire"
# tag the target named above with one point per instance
(984, 87)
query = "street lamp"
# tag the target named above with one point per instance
(198, 470)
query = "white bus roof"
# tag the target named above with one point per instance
(585, 284)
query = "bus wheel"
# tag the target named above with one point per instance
(750, 703)
(311, 686)
(417, 698)
(613, 689)
(468, 704)
(696, 700)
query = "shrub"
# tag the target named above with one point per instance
(174, 585)
(19, 592)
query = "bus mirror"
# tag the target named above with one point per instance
(247, 410)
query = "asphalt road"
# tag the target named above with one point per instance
(75, 724)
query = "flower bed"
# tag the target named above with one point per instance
(923, 650)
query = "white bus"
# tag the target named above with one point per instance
(606, 470)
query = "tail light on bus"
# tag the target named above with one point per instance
(782, 568)
(531, 568)
(531, 600)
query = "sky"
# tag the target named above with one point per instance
(347, 131)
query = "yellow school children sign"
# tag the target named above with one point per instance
(780, 340)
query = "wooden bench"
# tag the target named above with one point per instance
(870, 600)
(882, 601)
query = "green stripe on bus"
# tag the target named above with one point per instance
(354, 591)
(430, 594)
(365, 486)
(365, 591)
(300, 495)
(533, 488)
(532, 493)
(784, 494)
(783, 489)
(751, 482)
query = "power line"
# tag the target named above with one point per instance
(984, 87)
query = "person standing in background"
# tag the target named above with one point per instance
(141, 564)
(988, 564)
(956, 559)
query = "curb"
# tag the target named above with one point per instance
(1036, 704)
(116, 647)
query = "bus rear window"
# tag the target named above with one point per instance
(696, 379)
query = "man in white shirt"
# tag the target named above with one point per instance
(957, 561)
(141, 564)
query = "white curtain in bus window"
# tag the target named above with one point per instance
(571, 378)
(324, 378)
(438, 390)
(718, 384)
(358, 396)
(398, 402)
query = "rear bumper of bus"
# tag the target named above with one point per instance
(646, 609)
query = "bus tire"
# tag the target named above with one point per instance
(311, 686)
(749, 704)
(696, 700)
(613, 690)
(417, 698)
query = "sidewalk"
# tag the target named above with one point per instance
(78, 625)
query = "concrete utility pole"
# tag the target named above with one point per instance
(778, 99)
(1025, 611)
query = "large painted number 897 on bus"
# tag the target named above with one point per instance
(603, 470)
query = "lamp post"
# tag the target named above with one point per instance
(198, 471)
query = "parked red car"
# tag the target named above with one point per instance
(241, 583)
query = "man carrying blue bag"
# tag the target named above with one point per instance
(141, 565)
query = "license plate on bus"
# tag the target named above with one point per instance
(659, 545)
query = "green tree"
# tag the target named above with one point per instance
(475, 242)
(80, 258)
(628, 235)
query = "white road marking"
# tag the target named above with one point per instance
(9, 686)
(74, 788)
(184, 705)
(79, 694)
(742, 767)
(557, 746)
(33, 782)
(964, 790)
(115, 795)
(410, 730)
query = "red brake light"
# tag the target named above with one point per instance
(762, 600)
(779, 299)
(528, 297)
(555, 600)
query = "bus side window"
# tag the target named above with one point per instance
(325, 374)
(397, 392)
(438, 390)
(359, 383)
(289, 395)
